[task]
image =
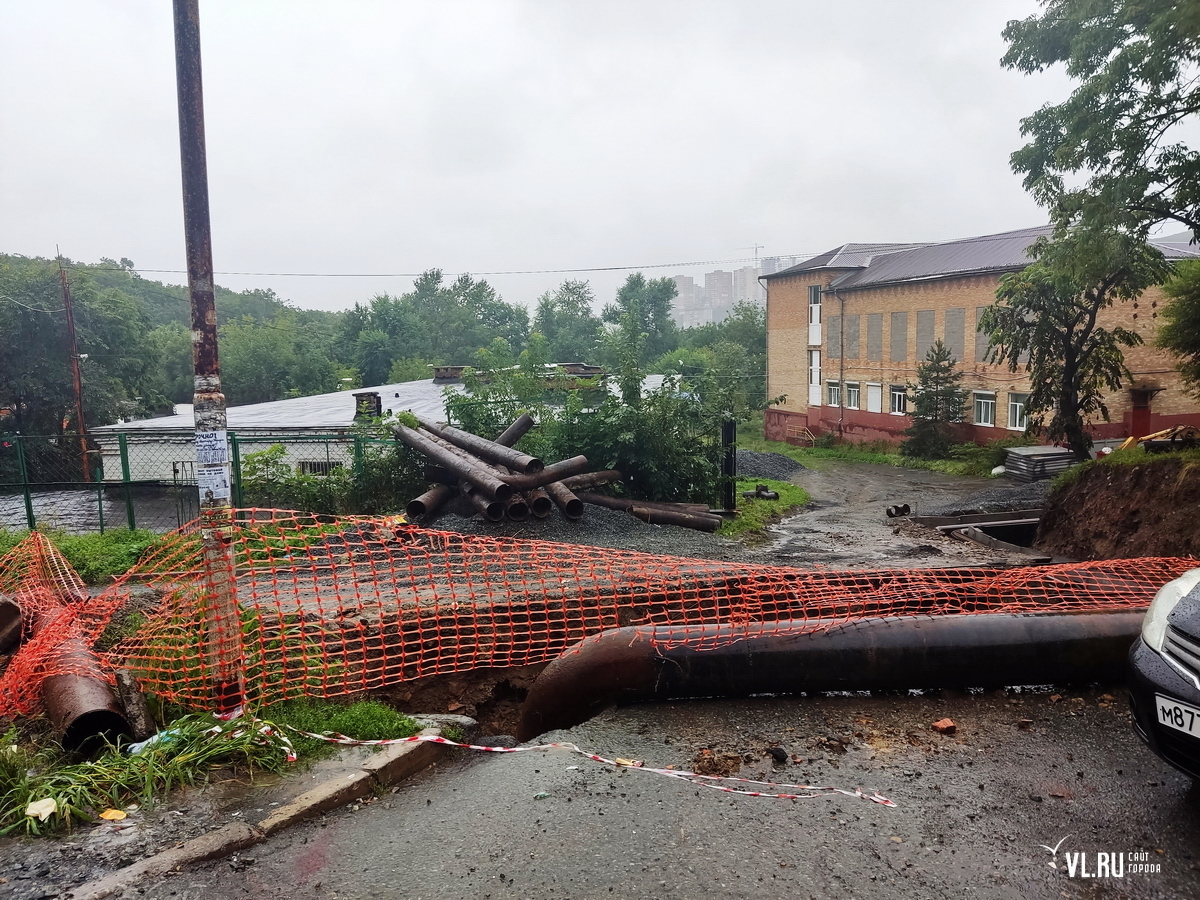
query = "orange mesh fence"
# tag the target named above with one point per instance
(337, 606)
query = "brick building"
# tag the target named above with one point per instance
(847, 329)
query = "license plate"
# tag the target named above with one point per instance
(1179, 716)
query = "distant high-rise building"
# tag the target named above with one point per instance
(746, 287)
(718, 293)
(770, 265)
(689, 308)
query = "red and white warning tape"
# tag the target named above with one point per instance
(715, 782)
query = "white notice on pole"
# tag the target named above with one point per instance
(213, 483)
(212, 448)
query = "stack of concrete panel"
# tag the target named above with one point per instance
(1036, 463)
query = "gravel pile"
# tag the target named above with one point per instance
(602, 527)
(1001, 498)
(766, 465)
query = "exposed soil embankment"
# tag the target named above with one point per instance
(1115, 511)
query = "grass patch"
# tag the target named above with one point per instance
(196, 744)
(367, 720)
(191, 747)
(965, 459)
(1134, 456)
(755, 515)
(97, 558)
(260, 544)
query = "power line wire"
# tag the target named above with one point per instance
(703, 262)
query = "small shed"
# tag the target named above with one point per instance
(314, 430)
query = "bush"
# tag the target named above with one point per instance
(666, 442)
(382, 478)
(97, 558)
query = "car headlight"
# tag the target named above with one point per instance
(1154, 626)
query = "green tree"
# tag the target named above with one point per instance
(939, 400)
(642, 308)
(271, 361)
(435, 322)
(1180, 332)
(175, 373)
(1124, 127)
(1046, 319)
(35, 371)
(565, 317)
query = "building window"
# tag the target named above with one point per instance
(852, 394)
(814, 366)
(874, 398)
(318, 466)
(985, 409)
(814, 304)
(833, 393)
(1017, 419)
(899, 395)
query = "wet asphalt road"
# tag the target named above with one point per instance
(972, 811)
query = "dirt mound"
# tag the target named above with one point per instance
(1117, 511)
(766, 465)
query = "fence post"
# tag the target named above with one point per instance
(99, 489)
(123, 446)
(359, 487)
(21, 463)
(235, 454)
(729, 464)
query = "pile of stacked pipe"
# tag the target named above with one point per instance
(503, 483)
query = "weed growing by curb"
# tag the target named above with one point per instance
(754, 515)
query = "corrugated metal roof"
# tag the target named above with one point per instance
(1004, 252)
(846, 256)
(323, 412)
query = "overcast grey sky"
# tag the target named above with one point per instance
(486, 136)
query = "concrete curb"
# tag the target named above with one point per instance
(390, 765)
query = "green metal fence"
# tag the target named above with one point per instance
(149, 480)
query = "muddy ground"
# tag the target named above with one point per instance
(845, 528)
(1120, 511)
(975, 811)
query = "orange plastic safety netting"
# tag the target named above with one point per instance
(336, 606)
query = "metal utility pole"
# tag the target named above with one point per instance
(222, 620)
(76, 378)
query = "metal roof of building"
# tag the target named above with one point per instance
(322, 412)
(879, 264)
(844, 257)
(1004, 252)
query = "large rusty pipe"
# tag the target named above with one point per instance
(430, 501)
(11, 624)
(516, 509)
(81, 707)
(591, 479)
(554, 472)
(621, 504)
(438, 474)
(516, 430)
(492, 510)
(571, 505)
(958, 651)
(484, 479)
(539, 502)
(491, 451)
(655, 515)
(624, 504)
(79, 703)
